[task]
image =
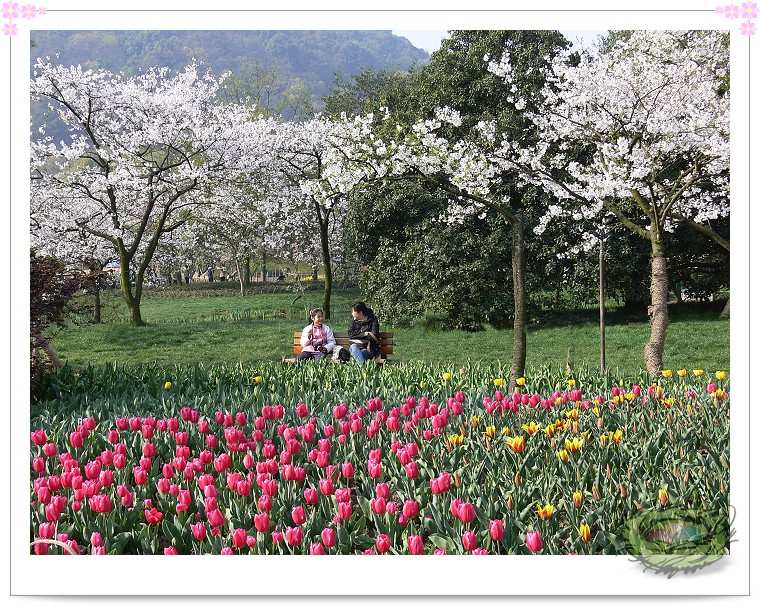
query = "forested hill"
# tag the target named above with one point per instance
(292, 66)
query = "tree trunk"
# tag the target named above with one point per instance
(97, 315)
(241, 278)
(264, 266)
(133, 301)
(327, 262)
(724, 313)
(658, 309)
(519, 337)
(248, 270)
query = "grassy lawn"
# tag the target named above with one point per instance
(227, 328)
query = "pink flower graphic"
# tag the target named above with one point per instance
(10, 10)
(747, 28)
(749, 10)
(28, 11)
(10, 29)
(732, 11)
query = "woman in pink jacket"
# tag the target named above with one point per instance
(317, 339)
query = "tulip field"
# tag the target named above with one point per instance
(328, 459)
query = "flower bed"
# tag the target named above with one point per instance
(443, 470)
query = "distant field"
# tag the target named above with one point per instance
(191, 328)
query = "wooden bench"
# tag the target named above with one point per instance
(341, 338)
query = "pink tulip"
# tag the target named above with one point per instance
(533, 541)
(496, 529)
(328, 537)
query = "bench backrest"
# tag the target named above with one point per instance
(341, 338)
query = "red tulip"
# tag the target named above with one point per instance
(382, 491)
(382, 543)
(153, 516)
(215, 517)
(411, 469)
(378, 505)
(239, 538)
(469, 540)
(466, 512)
(261, 522)
(293, 536)
(298, 515)
(347, 469)
(344, 511)
(311, 496)
(316, 549)
(411, 509)
(326, 487)
(199, 531)
(414, 543)
(39, 437)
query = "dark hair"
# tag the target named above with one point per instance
(315, 311)
(361, 308)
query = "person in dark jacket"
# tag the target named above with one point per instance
(364, 333)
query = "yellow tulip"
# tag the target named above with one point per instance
(520, 381)
(571, 383)
(490, 431)
(585, 531)
(456, 439)
(545, 512)
(531, 428)
(577, 499)
(563, 455)
(603, 439)
(517, 444)
(721, 375)
(630, 396)
(446, 376)
(550, 429)
(168, 385)
(698, 372)
(682, 372)
(258, 379)
(669, 402)
(505, 431)
(663, 497)
(475, 420)
(574, 445)
(667, 373)
(498, 382)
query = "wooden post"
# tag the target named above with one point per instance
(602, 344)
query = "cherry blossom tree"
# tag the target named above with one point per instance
(142, 151)
(639, 131)
(314, 157)
(367, 149)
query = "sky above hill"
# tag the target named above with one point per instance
(431, 40)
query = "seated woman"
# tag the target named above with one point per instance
(317, 339)
(364, 333)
